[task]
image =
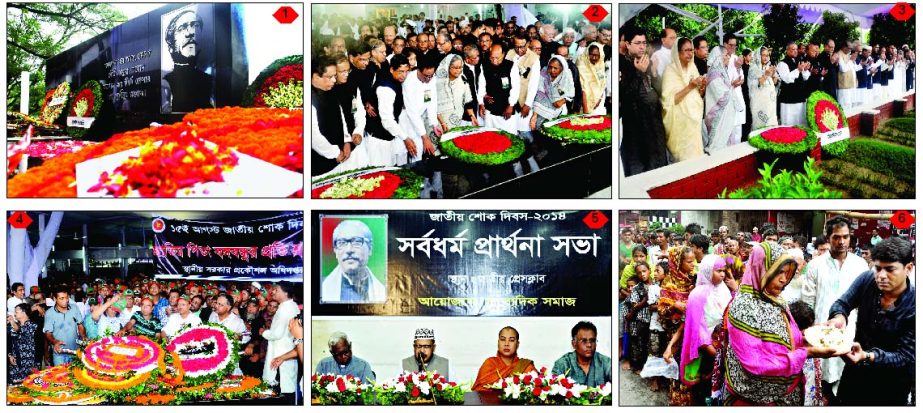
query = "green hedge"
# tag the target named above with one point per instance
(888, 158)
(903, 124)
(862, 182)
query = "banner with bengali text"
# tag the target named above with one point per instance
(465, 263)
(262, 249)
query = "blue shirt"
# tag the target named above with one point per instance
(63, 325)
(160, 310)
(357, 367)
(91, 327)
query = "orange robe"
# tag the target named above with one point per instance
(494, 369)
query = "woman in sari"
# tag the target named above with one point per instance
(452, 93)
(720, 109)
(505, 363)
(762, 80)
(671, 311)
(766, 351)
(682, 103)
(591, 65)
(555, 89)
(704, 312)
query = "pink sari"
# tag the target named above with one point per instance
(704, 311)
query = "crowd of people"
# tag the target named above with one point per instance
(384, 90)
(47, 326)
(584, 365)
(719, 319)
(690, 98)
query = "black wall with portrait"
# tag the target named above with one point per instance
(126, 61)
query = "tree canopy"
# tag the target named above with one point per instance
(887, 30)
(38, 31)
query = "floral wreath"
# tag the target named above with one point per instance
(51, 113)
(86, 103)
(113, 356)
(581, 129)
(785, 140)
(207, 352)
(236, 386)
(503, 147)
(18, 395)
(825, 114)
(389, 184)
(281, 84)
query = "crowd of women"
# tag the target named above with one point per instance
(722, 321)
(385, 90)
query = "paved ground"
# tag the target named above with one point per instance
(633, 391)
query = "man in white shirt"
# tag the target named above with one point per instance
(471, 74)
(826, 279)
(281, 341)
(526, 65)
(737, 76)
(663, 56)
(19, 291)
(182, 318)
(419, 116)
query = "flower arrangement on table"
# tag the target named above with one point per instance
(49, 149)
(86, 103)
(784, 140)
(583, 129)
(273, 135)
(376, 183)
(177, 163)
(55, 103)
(541, 387)
(329, 389)
(485, 147)
(825, 114)
(279, 85)
(419, 388)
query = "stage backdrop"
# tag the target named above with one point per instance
(476, 263)
(262, 249)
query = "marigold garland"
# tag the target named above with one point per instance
(69, 398)
(273, 135)
(155, 399)
(108, 383)
(18, 395)
(49, 380)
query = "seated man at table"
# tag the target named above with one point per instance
(584, 365)
(424, 354)
(505, 363)
(341, 361)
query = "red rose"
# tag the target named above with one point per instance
(784, 135)
(483, 143)
(537, 391)
(415, 392)
(341, 386)
(568, 395)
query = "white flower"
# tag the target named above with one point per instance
(424, 387)
(605, 389)
(400, 387)
(332, 387)
(512, 391)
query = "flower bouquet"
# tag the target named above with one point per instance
(175, 164)
(86, 104)
(825, 114)
(789, 144)
(419, 388)
(584, 129)
(369, 183)
(594, 396)
(482, 146)
(207, 353)
(55, 103)
(538, 388)
(275, 136)
(329, 389)
(280, 85)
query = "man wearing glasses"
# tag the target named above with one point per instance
(341, 361)
(352, 281)
(584, 365)
(185, 88)
(424, 357)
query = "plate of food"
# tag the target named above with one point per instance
(828, 337)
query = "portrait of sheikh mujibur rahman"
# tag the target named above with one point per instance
(186, 88)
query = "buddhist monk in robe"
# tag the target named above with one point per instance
(505, 363)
